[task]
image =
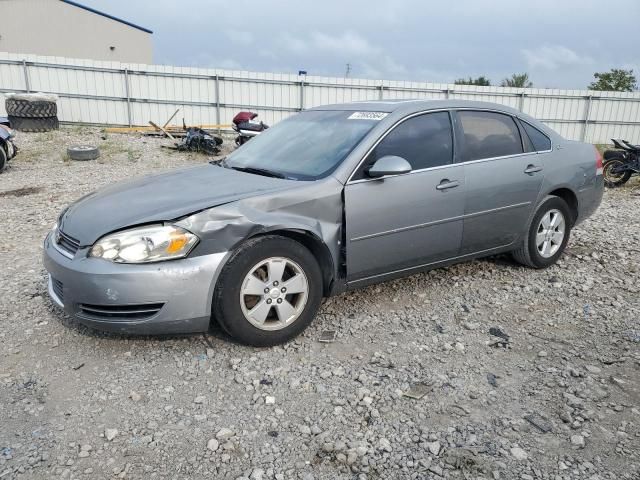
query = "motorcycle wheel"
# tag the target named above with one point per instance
(612, 178)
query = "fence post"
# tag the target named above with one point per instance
(521, 106)
(587, 114)
(25, 69)
(301, 95)
(381, 94)
(446, 93)
(126, 89)
(217, 78)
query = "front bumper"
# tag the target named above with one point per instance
(154, 298)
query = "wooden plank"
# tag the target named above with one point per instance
(162, 129)
(143, 129)
(170, 118)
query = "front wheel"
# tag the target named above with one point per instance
(615, 174)
(547, 236)
(268, 292)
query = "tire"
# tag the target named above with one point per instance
(83, 152)
(528, 253)
(3, 158)
(30, 109)
(230, 300)
(612, 180)
(23, 124)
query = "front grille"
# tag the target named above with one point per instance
(66, 243)
(57, 287)
(120, 312)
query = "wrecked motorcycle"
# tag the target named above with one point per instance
(199, 140)
(247, 128)
(620, 164)
(8, 150)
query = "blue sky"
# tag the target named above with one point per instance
(559, 43)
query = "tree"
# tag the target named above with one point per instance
(519, 80)
(617, 80)
(481, 81)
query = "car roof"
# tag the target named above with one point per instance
(415, 105)
(398, 108)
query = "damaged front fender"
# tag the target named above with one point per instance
(314, 209)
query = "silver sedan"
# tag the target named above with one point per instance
(331, 199)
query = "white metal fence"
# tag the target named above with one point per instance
(111, 93)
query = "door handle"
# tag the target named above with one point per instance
(446, 183)
(531, 169)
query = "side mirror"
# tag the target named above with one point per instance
(389, 165)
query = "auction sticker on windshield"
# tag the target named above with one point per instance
(377, 116)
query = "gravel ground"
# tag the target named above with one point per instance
(558, 400)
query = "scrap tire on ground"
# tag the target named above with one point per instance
(31, 109)
(83, 152)
(23, 124)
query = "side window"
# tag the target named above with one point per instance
(489, 134)
(424, 141)
(538, 139)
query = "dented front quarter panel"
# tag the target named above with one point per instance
(313, 208)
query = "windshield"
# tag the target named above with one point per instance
(306, 146)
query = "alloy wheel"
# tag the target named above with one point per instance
(274, 293)
(550, 233)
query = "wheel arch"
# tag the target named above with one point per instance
(570, 198)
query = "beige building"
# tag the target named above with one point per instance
(68, 29)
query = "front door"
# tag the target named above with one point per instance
(399, 222)
(503, 180)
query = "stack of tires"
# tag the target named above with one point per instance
(32, 112)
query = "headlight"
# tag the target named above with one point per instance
(145, 244)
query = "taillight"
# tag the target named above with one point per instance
(598, 161)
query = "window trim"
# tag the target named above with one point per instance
(526, 140)
(351, 180)
(524, 122)
(454, 125)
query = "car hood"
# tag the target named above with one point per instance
(161, 197)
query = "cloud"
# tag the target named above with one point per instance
(347, 43)
(239, 37)
(553, 57)
(404, 39)
(293, 43)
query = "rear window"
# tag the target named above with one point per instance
(489, 134)
(538, 139)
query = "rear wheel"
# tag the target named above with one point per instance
(268, 292)
(547, 236)
(614, 173)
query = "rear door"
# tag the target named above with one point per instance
(503, 179)
(395, 223)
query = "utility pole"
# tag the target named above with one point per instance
(348, 71)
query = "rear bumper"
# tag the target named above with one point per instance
(156, 298)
